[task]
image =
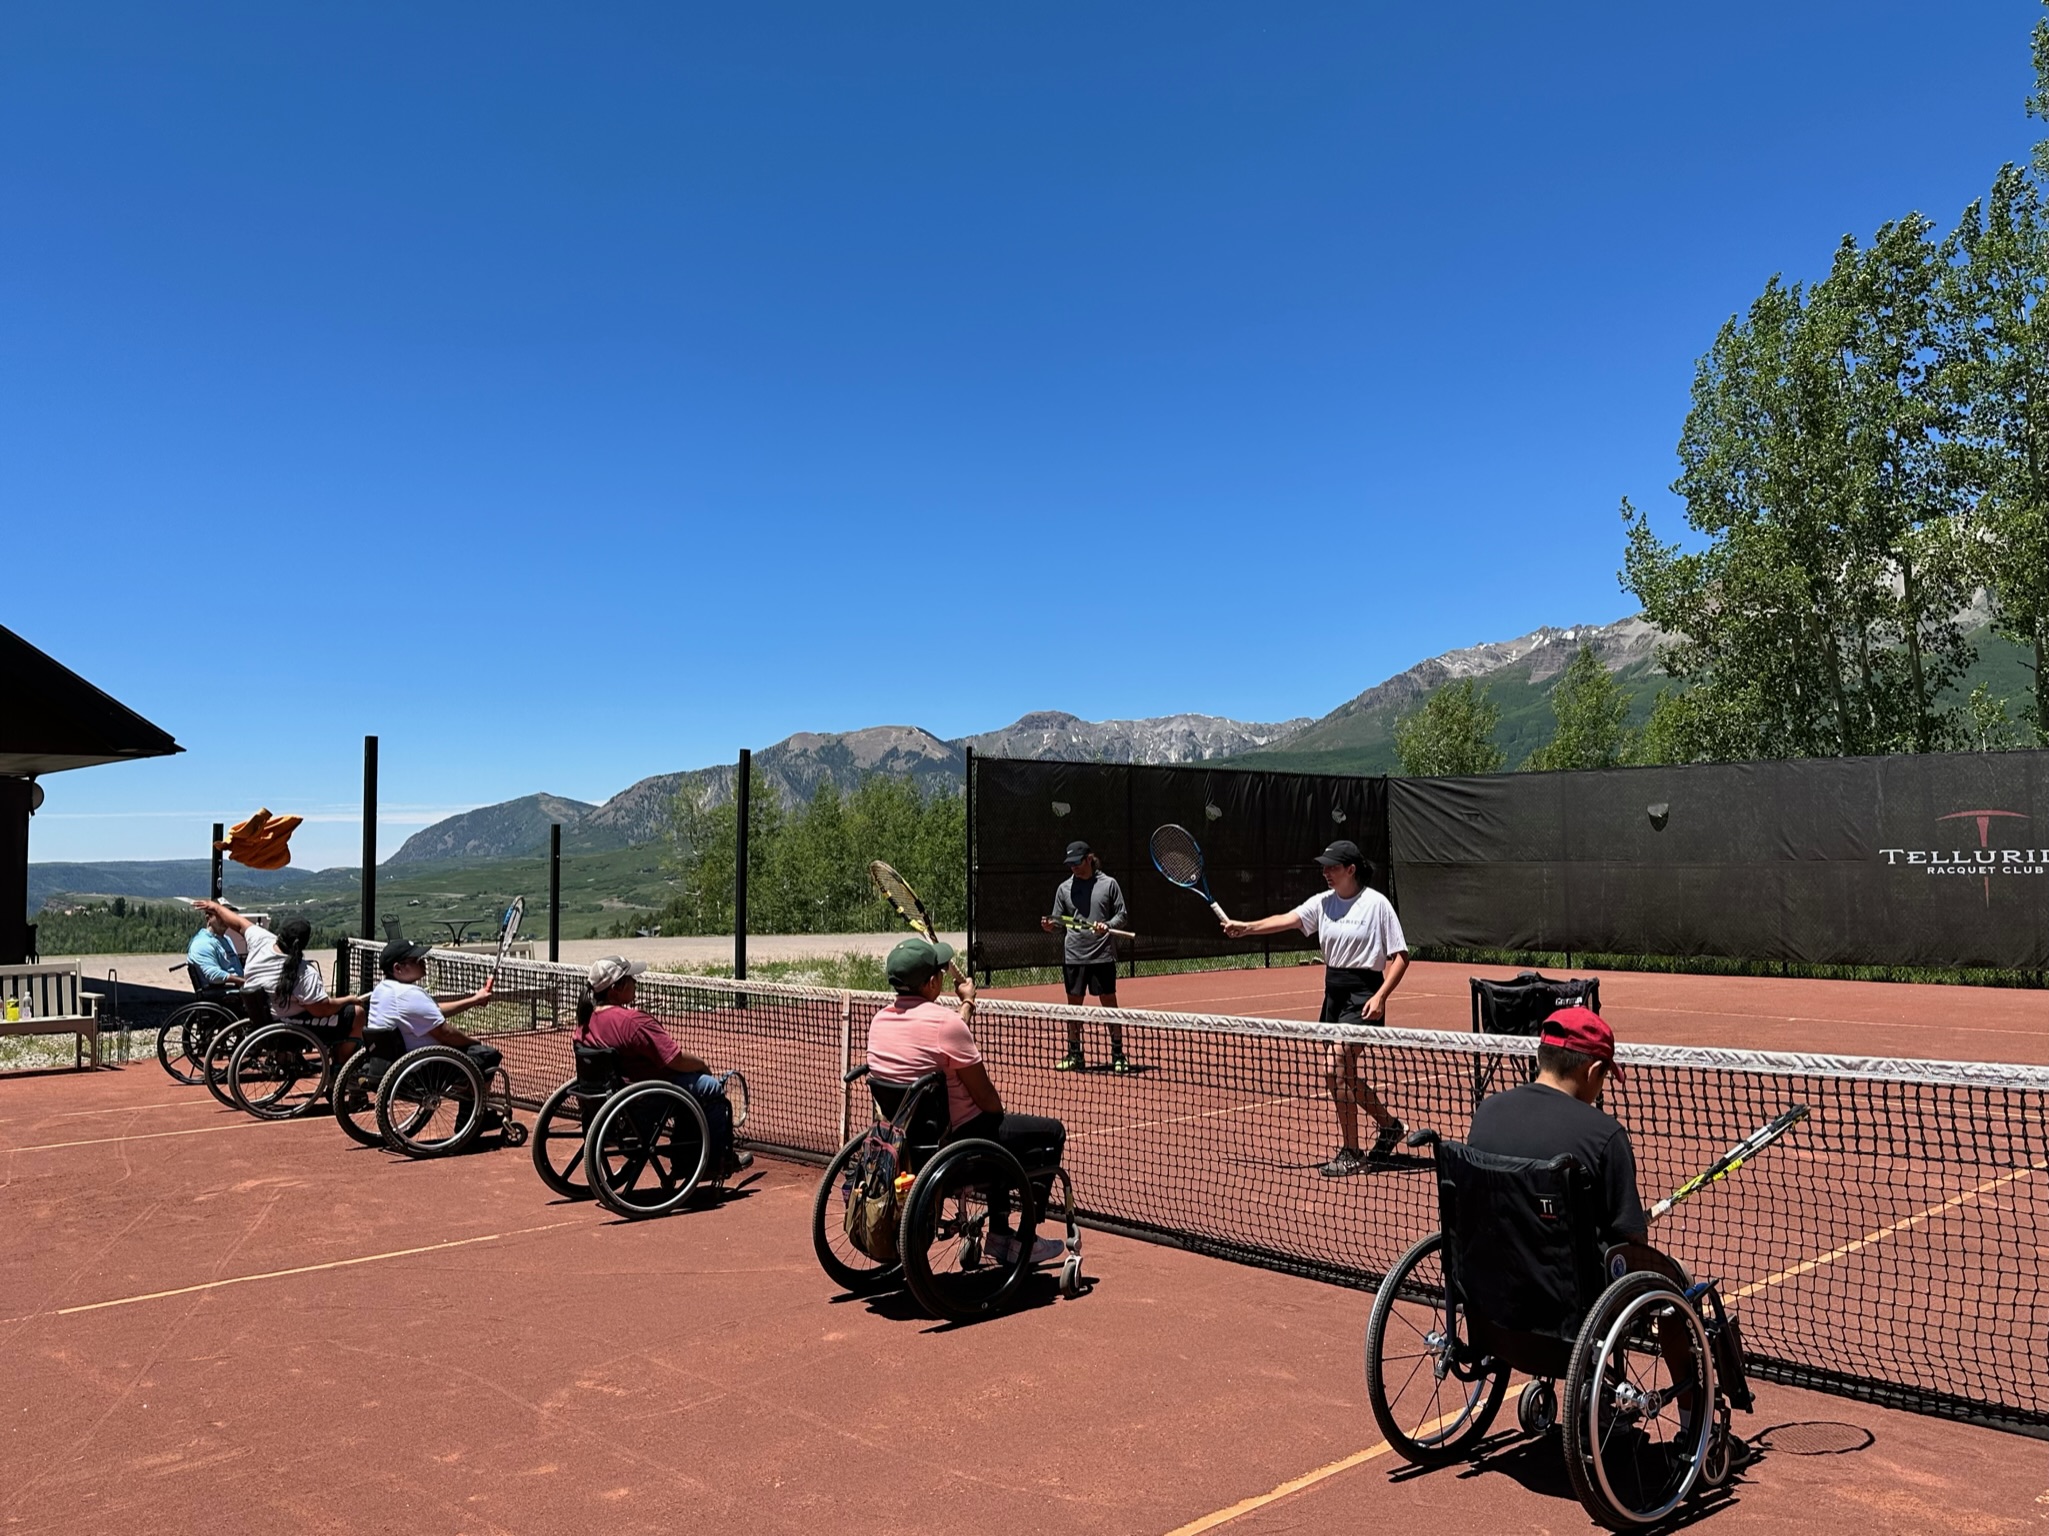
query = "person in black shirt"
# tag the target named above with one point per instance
(1556, 1116)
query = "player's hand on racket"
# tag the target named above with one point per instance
(964, 989)
(1235, 928)
(1048, 925)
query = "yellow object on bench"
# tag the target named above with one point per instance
(50, 999)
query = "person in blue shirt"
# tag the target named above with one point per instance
(215, 963)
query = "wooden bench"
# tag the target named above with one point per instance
(51, 1000)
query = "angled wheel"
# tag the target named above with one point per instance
(845, 1265)
(354, 1095)
(558, 1144)
(967, 1233)
(1433, 1394)
(1639, 1410)
(213, 1062)
(431, 1103)
(182, 1042)
(278, 1072)
(646, 1149)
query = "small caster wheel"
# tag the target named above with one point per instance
(1536, 1410)
(515, 1134)
(1070, 1276)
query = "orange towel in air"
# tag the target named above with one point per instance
(261, 842)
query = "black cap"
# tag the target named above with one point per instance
(401, 949)
(1076, 852)
(1343, 851)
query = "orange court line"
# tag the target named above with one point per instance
(308, 1269)
(1373, 1452)
(1883, 1233)
(103, 1141)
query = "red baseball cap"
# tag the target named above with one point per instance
(1582, 1030)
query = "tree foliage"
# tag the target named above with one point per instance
(1453, 733)
(1593, 719)
(807, 868)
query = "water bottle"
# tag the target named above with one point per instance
(28, 1006)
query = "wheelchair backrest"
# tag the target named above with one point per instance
(384, 1040)
(920, 1107)
(1520, 1006)
(1521, 1239)
(597, 1069)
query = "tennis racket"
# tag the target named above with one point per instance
(1178, 856)
(894, 889)
(1732, 1159)
(1083, 925)
(508, 930)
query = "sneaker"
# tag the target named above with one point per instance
(1389, 1138)
(1071, 1062)
(1119, 1064)
(1002, 1249)
(737, 1162)
(1349, 1160)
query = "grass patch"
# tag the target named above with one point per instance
(849, 972)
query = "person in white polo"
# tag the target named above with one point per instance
(1364, 956)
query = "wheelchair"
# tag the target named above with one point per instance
(642, 1149)
(185, 1034)
(969, 1211)
(1650, 1361)
(431, 1101)
(282, 1068)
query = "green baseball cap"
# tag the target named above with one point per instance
(916, 961)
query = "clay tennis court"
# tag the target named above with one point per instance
(213, 1321)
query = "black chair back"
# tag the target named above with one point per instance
(597, 1070)
(928, 1121)
(1521, 1250)
(1520, 1006)
(383, 1041)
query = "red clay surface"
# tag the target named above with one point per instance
(1849, 1018)
(208, 1323)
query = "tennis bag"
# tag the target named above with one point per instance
(871, 1192)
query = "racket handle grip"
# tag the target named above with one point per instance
(1659, 1209)
(1222, 916)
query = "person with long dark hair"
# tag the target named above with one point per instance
(278, 977)
(1364, 958)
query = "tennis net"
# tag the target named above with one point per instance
(1891, 1248)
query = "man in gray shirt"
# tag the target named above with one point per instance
(1092, 904)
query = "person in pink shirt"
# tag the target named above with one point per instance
(918, 1034)
(646, 1050)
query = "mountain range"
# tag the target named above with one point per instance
(1356, 737)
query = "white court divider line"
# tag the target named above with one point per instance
(1294, 1485)
(308, 1269)
(1882, 1233)
(107, 1141)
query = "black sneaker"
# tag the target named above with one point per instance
(1071, 1062)
(1119, 1064)
(1389, 1138)
(1349, 1160)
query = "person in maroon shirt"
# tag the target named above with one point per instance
(646, 1051)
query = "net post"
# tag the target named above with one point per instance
(554, 892)
(213, 880)
(370, 837)
(743, 813)
(846, 1064)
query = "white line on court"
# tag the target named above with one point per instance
(104, 1141)
(1373, 1452)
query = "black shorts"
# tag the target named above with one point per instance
(1099, 978)
(1346, 994)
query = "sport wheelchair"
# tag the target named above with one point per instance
(1516, 1279)
(432, 1101)
(282, 1068)
(969, 1210)
(188, 1031)
(643, 1148)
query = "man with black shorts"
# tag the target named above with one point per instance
(1090, 953)
(1364, 959)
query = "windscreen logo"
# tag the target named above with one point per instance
(1984, 860)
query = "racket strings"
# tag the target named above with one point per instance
(1177, 856)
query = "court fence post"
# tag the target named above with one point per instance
(213, 883)
(554, 892)
(968, 792)
(743, 814)
(370, 837)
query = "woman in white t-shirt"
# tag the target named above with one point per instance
(1364, 956)
(278, 973)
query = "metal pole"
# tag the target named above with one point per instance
(370, 838)
(742, 798)
(554, 891)
(213, 884)
(968, 791)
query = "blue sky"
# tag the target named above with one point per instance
(568, 394)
